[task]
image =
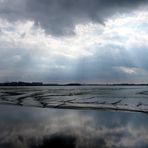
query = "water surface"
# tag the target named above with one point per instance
(43, 117)
(29, 127)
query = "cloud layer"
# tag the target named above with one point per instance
(59, 17)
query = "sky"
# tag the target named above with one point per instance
(82, 41)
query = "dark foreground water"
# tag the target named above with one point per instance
(29, 127)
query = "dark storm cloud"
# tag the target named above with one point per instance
(59, 17)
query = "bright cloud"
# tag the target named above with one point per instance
(130, 70)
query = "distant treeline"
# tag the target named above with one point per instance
(69, 84)
(36, 84)
(21, 84)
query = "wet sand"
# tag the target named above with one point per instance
(124, 98)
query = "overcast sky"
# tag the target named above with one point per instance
(86, 41)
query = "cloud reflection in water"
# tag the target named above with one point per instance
(41, 128)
